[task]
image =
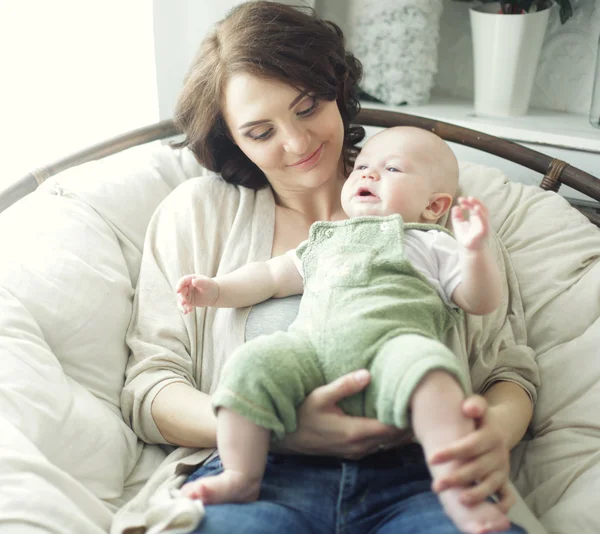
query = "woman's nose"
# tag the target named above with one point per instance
(297, 140)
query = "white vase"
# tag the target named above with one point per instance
(506, 52)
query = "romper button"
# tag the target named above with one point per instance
(329, 233)
(384, 226)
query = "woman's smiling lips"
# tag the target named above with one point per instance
(308, 162)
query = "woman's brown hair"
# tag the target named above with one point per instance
(273, 41)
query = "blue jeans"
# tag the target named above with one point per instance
(388, 492)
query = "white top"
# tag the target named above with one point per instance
(433, 253)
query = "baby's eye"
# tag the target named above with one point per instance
(393, 169)
(360, 167)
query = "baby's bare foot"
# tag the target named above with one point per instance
(229, 486)
(479, 519)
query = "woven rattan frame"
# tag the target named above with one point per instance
(555, 172)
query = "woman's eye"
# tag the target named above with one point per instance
(260, 136)
(309, 110)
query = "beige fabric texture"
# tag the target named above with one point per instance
(555, 252)
(70, 258)
(89, 224)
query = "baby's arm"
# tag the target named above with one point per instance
(248, 285)
(480, 289)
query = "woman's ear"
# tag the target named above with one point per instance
(438, 205)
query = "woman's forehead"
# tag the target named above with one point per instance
(250, 98)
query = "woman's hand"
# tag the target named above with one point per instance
(486, 466)
(323, 429)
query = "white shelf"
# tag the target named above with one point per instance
(552, 128)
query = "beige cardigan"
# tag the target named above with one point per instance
(207, 226)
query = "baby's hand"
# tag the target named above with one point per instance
(471, 232)
(194, 290)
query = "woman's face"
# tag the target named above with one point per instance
(295, 139)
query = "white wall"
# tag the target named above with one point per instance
(178, 29)
(72, 74)
(179, 26)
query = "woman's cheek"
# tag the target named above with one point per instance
(268, 157)
(257, 152)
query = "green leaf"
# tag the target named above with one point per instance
(526, 5)
(566, 11)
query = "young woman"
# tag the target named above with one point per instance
(268, 104)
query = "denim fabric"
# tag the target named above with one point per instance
(385, 493)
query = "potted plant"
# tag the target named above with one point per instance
(507, 42)
(519, 7)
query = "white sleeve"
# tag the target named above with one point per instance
(445, 248)
(297, 261)
(435, 255)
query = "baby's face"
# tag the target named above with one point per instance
(389, 177)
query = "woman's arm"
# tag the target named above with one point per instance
(501, 416)
(510, 409)
(165, 347)
(184, 416)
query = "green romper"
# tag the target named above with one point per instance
(364, 306)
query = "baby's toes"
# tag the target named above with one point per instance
(190, 490)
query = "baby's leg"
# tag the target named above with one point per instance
(437, 420)
(261, 385)
(243, 447)
(413, 382)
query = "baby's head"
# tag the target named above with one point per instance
(403, 170)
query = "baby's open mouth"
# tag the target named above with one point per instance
(363, 192)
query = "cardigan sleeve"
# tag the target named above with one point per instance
(185, 235)
(497, 343)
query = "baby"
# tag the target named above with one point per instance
(379, 291)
